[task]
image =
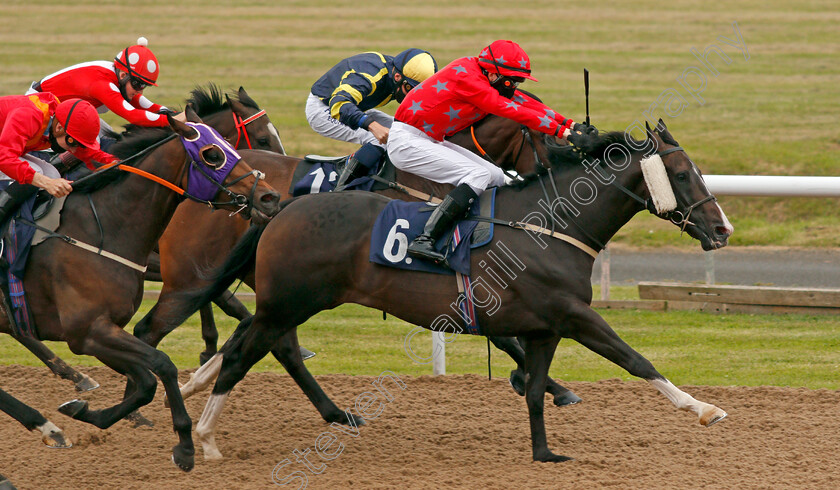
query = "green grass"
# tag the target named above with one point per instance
(775, 113)
(687, 347)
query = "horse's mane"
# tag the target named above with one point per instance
(563, 157)
(131, 141)
(209, 100)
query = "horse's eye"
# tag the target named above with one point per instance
(682, 177)
(263, 142)
(213, 156)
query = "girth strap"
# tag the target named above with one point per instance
(519, 225)
(85, 246)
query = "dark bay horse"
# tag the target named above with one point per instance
(198, 239)
(85, 298)
(547, 299)
(240, 121)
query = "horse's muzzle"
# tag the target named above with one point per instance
(265, 206)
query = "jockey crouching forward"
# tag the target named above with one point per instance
(116, 85)
(37, 122)
(342, 103)
(458, 95)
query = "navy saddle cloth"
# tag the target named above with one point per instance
(401, 222)
(316, 174)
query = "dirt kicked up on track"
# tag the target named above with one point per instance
(454, 431)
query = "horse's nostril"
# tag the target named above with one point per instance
(722, 230)
(270, 196)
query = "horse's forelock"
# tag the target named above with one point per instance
(561, 155)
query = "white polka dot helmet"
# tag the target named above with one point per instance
(139, 62)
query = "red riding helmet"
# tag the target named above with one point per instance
(80, 121)
(142, 63)
(506, 58)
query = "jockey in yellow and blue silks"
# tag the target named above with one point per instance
(342, 104)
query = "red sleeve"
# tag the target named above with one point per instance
(531, 113)
(539, 106)
(89, 156)
(143, 103)
(21, 126)
(113, 100)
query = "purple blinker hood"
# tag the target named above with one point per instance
(199, 184)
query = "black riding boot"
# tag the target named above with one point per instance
(454, 206)
(11, 198)
(360, 164)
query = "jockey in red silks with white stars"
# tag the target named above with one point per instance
(461, 93)
(112, 85)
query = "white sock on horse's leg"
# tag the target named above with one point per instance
(708, 414)
(206, 427)
(202, 378)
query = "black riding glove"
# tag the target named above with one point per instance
(583, 138)
(584, 128)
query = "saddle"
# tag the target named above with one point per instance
(317, 173)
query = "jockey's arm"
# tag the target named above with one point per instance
(533, 114)
(345, 100)
(88, 156)
(19, 127)
(114, 101)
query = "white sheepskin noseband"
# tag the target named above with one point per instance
(658, 184)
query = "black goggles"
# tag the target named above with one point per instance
(138, 84)
(71, 142)
(509, 81)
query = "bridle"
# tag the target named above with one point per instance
(240, 127)
(244, 202)
(681, 218)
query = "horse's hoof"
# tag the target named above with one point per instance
(139, 420)
(549, 457)
(204, 357)
(5, 484)
(357, 419)
(86, 384)
(566, 398)
(73, 408)
(342, 418)
(306, 353)
(712, 417)
(517, 383)
(53, 437)
(57, 441)
(184, 461)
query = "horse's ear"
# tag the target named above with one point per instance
(246, 99)
(649, 133)
(192, 116)
(236, 106)
(181, 128)
(665, 134)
